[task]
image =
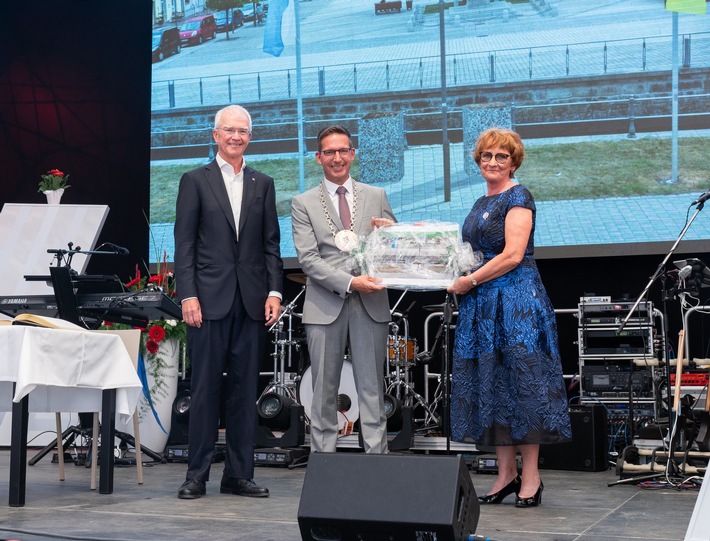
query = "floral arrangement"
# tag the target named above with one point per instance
(160, 336)
(160, 330)
(54, 179)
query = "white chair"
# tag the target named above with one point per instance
(131, 339)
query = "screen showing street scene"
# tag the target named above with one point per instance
(610, 98)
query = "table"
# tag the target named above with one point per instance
(64, 370)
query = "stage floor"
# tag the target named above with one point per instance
(576, 506)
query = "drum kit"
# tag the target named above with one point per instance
(292, 377)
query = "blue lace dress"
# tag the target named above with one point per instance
(507, 386)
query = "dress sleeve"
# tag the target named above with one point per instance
(520, 196)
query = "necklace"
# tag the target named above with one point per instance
(345, 239)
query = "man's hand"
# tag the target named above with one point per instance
(272, 309)
(366, 284)
(192, 312)
(380, 222)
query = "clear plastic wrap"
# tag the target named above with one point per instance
(419, 255)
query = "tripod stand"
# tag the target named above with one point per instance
(69, 436)
(401, 357)
(277, 406)
(282, 355)
(85, 430)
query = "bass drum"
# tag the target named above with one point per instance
(348, 409)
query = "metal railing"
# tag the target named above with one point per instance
(632, 55)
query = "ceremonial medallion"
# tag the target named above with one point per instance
(346, 240)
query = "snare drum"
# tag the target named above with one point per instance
(348, 409)
(399, 352)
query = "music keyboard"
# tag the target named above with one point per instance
(131, 308)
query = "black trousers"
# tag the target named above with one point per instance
(233, 346)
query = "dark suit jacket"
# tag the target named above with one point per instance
(209, 261)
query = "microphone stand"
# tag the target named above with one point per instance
(281, 341)
(445, 354)
(672, 415)
(661, 267)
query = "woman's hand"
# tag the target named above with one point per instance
(461, 285)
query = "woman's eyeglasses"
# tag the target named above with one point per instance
(501, 158)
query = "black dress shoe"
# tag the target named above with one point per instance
(532, 501)
(242, 487)
(507, 490)
(191, 489)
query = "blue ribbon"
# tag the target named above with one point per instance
(143, 376)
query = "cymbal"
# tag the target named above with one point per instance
(298, 277)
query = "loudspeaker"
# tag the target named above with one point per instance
(588, 449)
(354, 497)
(180, 415)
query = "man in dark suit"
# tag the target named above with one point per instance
(342, 306)
(228, 272)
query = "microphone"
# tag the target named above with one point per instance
(118, 249)
(684, 272)
(701, 199)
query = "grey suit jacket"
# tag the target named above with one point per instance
(324, 264)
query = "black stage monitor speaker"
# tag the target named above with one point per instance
(588, 449)
(364, 497)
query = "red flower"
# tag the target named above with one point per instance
(156, 333)
(152, 346)
(55, 172)
(157, 279)
(134, 282)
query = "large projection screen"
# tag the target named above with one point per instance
(589, 86)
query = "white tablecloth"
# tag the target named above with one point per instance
(66, 370)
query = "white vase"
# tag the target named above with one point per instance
(152, 435)
(54, 196)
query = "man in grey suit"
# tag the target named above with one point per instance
(342, 307)
(229, 277)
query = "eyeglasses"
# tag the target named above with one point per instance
(342, 151)
(243, 132)
(500, 157)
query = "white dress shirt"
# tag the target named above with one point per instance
(332, 186)
(234, 182)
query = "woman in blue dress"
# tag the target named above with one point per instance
(507, 385)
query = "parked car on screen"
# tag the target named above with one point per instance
(248, 10)
(166, 41)
(228, 20)
(197, 30)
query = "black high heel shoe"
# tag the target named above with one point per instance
(532, 501)
(507, 490)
